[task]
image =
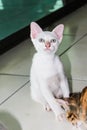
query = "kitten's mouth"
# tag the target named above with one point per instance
(49, 49)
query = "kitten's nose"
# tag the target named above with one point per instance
(47, 45)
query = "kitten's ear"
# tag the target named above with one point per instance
(34, 30)
(59, 31)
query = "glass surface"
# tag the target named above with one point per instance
(16, 14)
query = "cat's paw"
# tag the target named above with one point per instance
(72, 117)
(63, 104)
(47, 107)
(61, 117)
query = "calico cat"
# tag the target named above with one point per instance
(47, 75)
(77, 111)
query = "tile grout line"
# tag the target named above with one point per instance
(14, 93)
(77, 79)
(73, 44)
(7, 74)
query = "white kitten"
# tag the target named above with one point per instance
(47, 77)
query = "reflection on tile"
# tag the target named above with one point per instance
(75, 23)
(8, 121)
(75, 60)
(78, 85)
(66, 43)
(9, 85)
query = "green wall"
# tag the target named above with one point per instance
(16, 14)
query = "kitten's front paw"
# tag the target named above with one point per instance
(47, 107)
(61, 117)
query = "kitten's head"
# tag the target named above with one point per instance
(46, 41)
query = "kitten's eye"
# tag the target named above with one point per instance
(53, 41)
(41, 40)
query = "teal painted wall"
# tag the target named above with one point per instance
(16, 14)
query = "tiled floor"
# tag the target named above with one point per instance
(17, 110)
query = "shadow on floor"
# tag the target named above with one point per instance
(8, 121)
(67, 69)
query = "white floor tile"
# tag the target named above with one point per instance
(10, 84)
(31, 115)
(75, 62)
(75, 23)
(17, 60)
(78, 85)
(66, 43)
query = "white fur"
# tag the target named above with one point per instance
(47, 77)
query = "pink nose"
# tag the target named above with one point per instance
(47, 45)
